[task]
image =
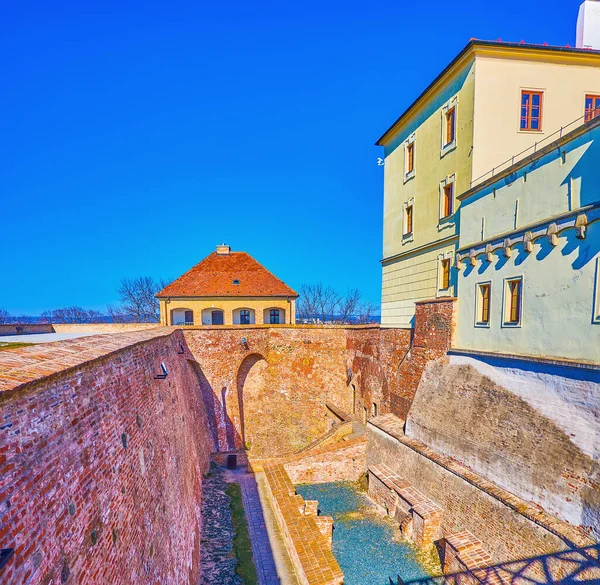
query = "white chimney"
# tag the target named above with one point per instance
(223, 250)
(588, 25)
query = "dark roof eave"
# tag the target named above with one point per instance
(294, 295)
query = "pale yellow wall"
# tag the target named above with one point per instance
(413, 278)
(499, 81)
(228, 305)
(430, 168)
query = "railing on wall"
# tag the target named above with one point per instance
(587, 117)
(572, 566)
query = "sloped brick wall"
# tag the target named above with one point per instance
(100, 468)
(387, 364)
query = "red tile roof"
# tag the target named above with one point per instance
(214, 277)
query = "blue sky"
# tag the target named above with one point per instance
(135, 136)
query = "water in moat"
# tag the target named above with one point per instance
(366, 544)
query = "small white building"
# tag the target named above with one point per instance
(528, 257)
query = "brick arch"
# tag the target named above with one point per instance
(243, 370)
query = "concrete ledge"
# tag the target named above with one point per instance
(419, 516)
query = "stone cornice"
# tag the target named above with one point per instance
(550, 227)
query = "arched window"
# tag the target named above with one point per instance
(182, 317)
(274, 316)
(243, 316)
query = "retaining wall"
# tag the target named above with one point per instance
(509, 527)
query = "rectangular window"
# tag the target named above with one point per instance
(450, 126)
(410, 158)
(531, 110)
(448, 200)
(483, 312)
(592, 107)
(445, 280)
(274, 316)
(513, 301)
(244, 317)
(408, 220)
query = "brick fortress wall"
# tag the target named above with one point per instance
(268, 387)
(101, 465)
(386, 364)
(101, 462)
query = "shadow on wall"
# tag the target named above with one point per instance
(244, 370)
(434, 105)
(573, 566)
(225, 407)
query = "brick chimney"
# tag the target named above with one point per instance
(223, 250)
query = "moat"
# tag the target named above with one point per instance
(366, 545)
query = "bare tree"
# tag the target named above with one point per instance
(322, 304)
(366, 313)
(138, 300)
(72, 314)
(347, 307)
(5, 316)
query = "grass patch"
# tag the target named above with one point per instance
(241, 541)
(16, 345)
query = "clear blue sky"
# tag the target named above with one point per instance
(137, 135)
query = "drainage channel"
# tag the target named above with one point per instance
(217, 558)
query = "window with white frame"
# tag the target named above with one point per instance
(447, 197)
(483, 295)
(449, 125)
(513, 302)
(409, 157)
(408, 219)
(445, 274)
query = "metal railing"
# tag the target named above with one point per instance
(587, 117)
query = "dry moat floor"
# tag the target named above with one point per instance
(366, 545)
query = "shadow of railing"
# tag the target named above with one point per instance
(575, 566)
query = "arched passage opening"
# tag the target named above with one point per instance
(249, 379)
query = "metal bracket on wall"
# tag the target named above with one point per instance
(164, 371)
(5, 555)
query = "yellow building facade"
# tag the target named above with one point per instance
(492, 102)
(227, 288)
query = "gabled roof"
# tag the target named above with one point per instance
(542, 52)
(215, 276)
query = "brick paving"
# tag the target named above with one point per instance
(261, 547)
